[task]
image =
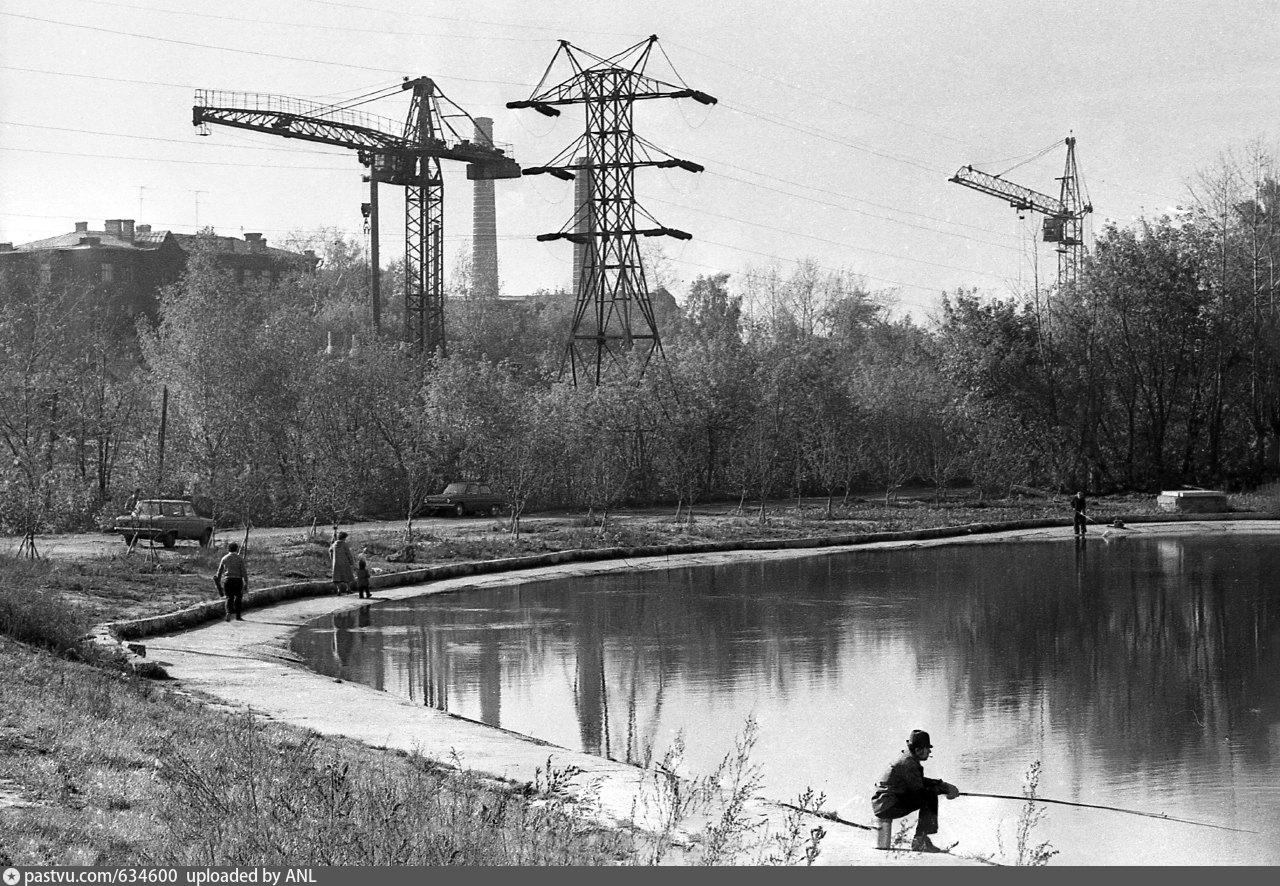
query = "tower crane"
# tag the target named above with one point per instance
(407, 155)
(1064, 215)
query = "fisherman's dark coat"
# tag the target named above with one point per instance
(904, 777)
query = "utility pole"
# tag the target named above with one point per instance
(198, 193)
(164, 421)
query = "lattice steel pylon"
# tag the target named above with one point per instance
(407, 155)
(612, 285)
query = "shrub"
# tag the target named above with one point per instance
(32, 612)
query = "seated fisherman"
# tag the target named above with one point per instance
(904, 790)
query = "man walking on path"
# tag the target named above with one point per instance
(232, 580)
(342, 564)
(904, 789)
(1079, 517)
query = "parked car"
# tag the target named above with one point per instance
(166, 521)
(464, 497)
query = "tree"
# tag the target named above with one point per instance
(1148, 287)
(712, 314)
(43, 343)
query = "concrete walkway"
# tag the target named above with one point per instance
(248, 665)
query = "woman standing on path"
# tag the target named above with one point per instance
(342, 565)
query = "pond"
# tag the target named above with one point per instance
(1140, 671)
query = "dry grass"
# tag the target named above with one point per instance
(117, 770)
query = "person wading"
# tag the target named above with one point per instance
(904, 790)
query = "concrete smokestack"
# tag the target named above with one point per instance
(484, 226)
(583, 223)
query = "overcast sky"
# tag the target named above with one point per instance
(837, 127)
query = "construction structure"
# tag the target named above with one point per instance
(1064, 215)
(407, 155)
(612, 311)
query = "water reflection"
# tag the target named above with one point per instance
(1141, 672)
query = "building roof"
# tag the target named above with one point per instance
(145, 239)
(75, 240)
(236, 246)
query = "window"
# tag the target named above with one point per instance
(108, 272)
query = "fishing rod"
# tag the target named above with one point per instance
(829, 816)
(1161, 816)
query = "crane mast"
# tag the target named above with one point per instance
(407, 155)
(1064, 215)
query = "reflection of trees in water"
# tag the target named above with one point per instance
(1148, 649)
(1144, 648)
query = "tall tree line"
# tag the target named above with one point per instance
(1160, 366)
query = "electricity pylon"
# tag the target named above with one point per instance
(612, 283)
(407, 155)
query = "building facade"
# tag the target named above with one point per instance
(129, 264)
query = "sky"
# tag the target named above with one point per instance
(837, 127)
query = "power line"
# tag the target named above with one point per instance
(834, 139)
(102, 156)
(828, 191)
(488, 24)
(343, 29)
(796, 261)
(895, 221)
(105, 79)
(156, 138)
(292, 58)
(818, 239)
(825, 96)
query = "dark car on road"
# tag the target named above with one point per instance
(464, 497)
(166, 521)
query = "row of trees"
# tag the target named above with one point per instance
(1161, 366)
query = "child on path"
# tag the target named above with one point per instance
(362, 580)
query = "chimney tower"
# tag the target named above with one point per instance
(582, 221)
(484, 226)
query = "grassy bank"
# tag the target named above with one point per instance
(109, 769)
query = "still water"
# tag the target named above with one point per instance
(1141, 673)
